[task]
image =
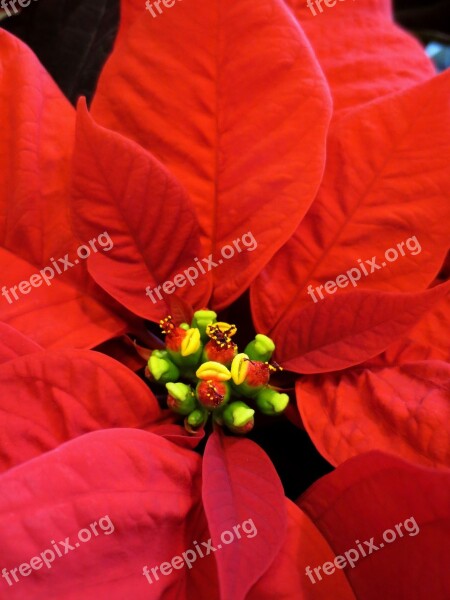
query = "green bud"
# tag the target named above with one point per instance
(181, 398)
(184, 326)
(201, 320)
(261, 348)
(162, 368)
(271, 402)
(238, 417)
(196, 419)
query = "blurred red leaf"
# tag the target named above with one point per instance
(14, 344)
(364, 54)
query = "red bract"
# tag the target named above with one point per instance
(35, 153)
(366, 497)
(362, 52)
(316, 341)
(83, 391)
(397, 402)
(147, 486)
(154, 238)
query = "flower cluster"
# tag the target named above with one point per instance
(204, 374)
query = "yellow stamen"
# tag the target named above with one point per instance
(213, 370)
(191, 342)
(239, 368)
(225, 328)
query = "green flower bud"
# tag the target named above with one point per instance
(195, 420)
(181, 398)
(261, 348)
(238, 417)
(201, 320)
(162, 368)
(271, 402)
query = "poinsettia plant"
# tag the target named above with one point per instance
(212, 123)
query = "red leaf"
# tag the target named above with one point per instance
(346, 330)
(286, 579)
(120, 188)
(363, 53)
(13, 344)
(35, 229)
(427, 341)
(386, 182)
(251, 151)
(130, 11)
(401, 410)
(37, 136)
(180, 310)
(51, 397)
(178, 435)
(240, 484)
(149, 490)
(369, 495)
